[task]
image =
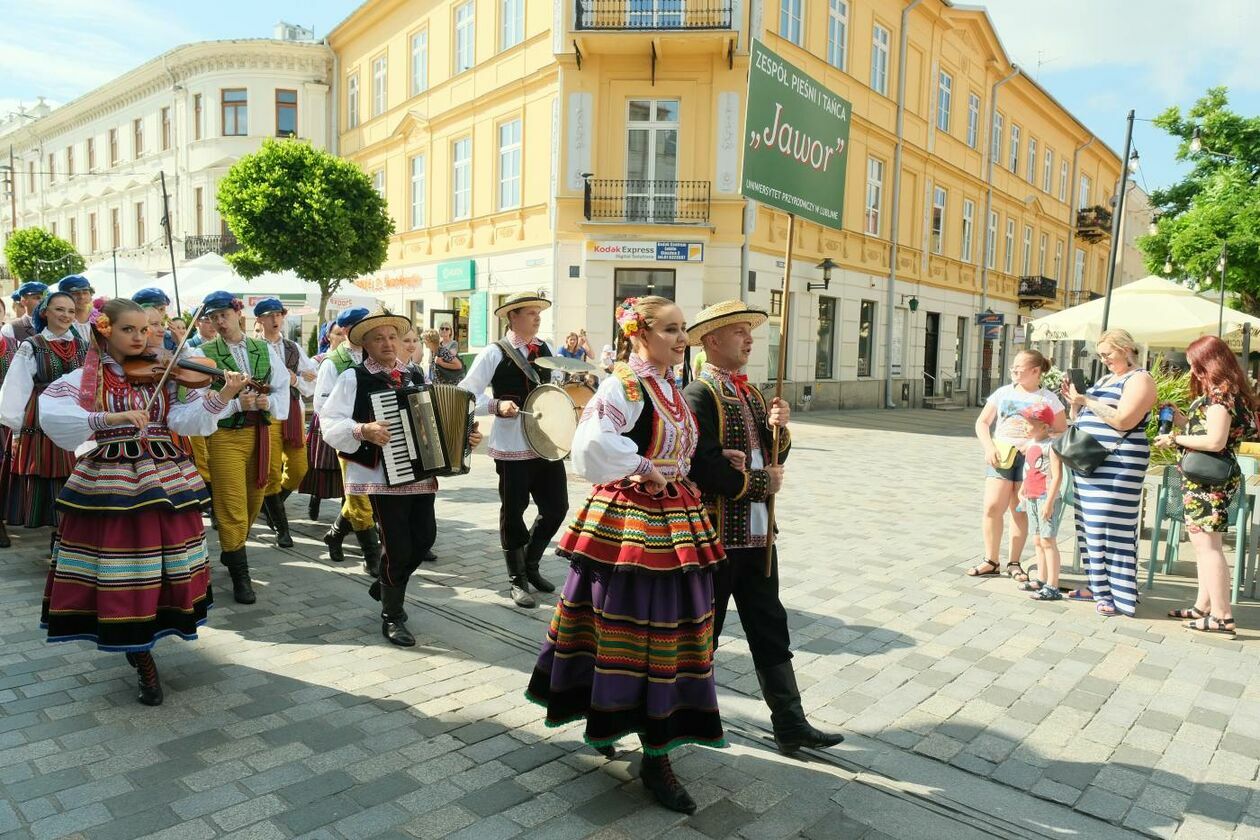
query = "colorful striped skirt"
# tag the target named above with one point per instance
(323, 475)
(6, 441)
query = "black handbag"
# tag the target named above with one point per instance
(1080, 451)
(1208, 469)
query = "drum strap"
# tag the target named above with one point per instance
(512, 353)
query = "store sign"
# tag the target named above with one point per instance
(478, 319)
(457, 276)
(796, 140)
(990, 319)
(645, 251)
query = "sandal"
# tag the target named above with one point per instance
(1192, 612)
(1016, 572)
(978, 571)
(1080, 595)
(1047, 593)
(1208, 624)
(1105, 608)
(1031, 585)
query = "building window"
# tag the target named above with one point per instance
(512, 32)
(960, 351)
(1047, 171)
(91, 154)
(1058, 260)
(973, 120)
(378, 182)
(1026, 263)
(93, 241)
(199, 210)
(866, 338)
(880, 39)
(30, 178)
(465, 36)
(379, 82)
(1078, 273)
(72, 229)
(115, 228)
(776, 319)
(69, 161)
(196, 116)
(838, 33)
(286, 113)
(1063, 179)
(1008, 253)
(510, 164)
(874, 194)
(417, 192)
(990, 241)
(166, 128)
(352, 101)
(1084, 197)
(1030, 174)
(52, 228)
(968, 223)
(1013, 164)
(939, 198)
(652, 159)
(995, 141)
(944, 96)
(792, 20)
(140, 235)
(1042, 245)
(824, 353)
(235, 112)
(420, 62)
(461, 180)
(137, 138)
(52, 168)
(113, 147)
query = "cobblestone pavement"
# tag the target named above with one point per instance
(970, 711)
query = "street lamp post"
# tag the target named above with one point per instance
(1115, 220)
(1220, 266)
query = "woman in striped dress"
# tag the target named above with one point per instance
(1115, 412)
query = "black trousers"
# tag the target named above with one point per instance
(408, 529)
(743, 578)
(519, 481)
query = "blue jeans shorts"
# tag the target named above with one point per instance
(1038, 524)
(1015, 472)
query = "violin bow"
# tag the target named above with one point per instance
(174, 359)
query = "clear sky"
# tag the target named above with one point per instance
(1098, 57)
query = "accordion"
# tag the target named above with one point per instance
(428, 431)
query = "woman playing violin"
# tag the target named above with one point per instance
(131, 565)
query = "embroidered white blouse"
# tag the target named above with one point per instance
(19, 382)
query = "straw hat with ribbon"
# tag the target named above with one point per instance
(520, 300)
(720, 315)
(379, 318)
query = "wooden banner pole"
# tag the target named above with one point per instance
(784, 320)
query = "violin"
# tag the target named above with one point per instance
(191, 373)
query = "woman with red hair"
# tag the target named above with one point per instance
(1221, 417)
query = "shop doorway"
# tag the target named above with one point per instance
(640, 282)
(459, 328)
(931, 353)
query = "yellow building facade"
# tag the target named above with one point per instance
(591, 149)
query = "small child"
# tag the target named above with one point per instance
(1043, 478)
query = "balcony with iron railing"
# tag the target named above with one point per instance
(1036, 290)
(646, 202)
(654, 15)
(196, 246)
(1093, 223)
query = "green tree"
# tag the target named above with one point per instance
(35, 255)
(294, 207)
(1216, 204)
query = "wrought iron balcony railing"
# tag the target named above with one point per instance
(648, 202)
(196, 246)
(1093, 223)
(1035, 289)
(654, 14)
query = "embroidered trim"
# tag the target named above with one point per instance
(757, 486)
(629, 381)
(96, 421)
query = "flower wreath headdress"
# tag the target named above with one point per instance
(630, 321)
(101, 323)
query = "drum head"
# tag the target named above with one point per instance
(580, 393)
(551, 423)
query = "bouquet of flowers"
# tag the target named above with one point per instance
(1052, 380)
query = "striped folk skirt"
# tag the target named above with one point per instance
(323, 474)
(38, 469)
(6, 460)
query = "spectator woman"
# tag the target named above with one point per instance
(444, 365)
(1003, 454)
(1221, 417)
(1114, 412)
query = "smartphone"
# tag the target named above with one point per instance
(1077, 377)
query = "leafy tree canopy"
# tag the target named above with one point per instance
(35, 255)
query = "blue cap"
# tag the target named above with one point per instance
(347, 318)
(74, 283)
(268, 305)
(218, 301)
(32, 288)
(151, 296)
(16, 295)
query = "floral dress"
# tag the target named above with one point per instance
(1207, 508)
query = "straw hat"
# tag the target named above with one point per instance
(520, 300)
(720, 315)
(379, 318)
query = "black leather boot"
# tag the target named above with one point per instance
(370, 542)
(209, 508)
(333, 539)
(274, 506)
(516, 577)
(393, 619)
(238, 567)
(5, 542)
(533, 557)
(150, 684)
(375, 591)
(791, 730)
(658, 776)
(312, 509)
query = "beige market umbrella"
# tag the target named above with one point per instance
(1158, 312)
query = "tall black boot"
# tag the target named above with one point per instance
(658, 776)
(5, 542)
(274, 506)
(238, 567)
(370, 542)
(150, 684)
(533, 557)
(791, 730)
(209, 508)
(393, 619)
(375, 591)
(312, 508)
(516, 577)
(333, 539)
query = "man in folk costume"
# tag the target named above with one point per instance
(288, 437)
(241, 458)
(80, 290)
(22, 326)
(507, 369)
(731, 467)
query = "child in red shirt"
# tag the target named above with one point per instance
(1043, 478)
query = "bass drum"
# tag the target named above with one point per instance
(581, 394)
(549, 422)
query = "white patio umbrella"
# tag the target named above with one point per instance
(123, 282)
(1158, 312)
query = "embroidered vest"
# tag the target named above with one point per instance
(49, 365)
(260, 369)
(508, 382)
(367, 384)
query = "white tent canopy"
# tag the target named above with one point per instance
(1157, 311)
(125, 282)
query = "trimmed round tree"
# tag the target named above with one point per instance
(35, 255)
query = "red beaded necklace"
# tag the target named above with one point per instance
(65, 349)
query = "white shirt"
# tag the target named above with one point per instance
(304, 387)
(19, 383)
(507, 440)
(327, 376)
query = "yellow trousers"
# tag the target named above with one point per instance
(293, 463)
(237, 496)
(201, 457)
(357, 509)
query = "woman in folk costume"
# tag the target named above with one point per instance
(323, 474)
(630, 647)
(8, 346)
(131, 565)
(39, 467)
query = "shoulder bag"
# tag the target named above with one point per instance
(1080, 451)
(1208, 469)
